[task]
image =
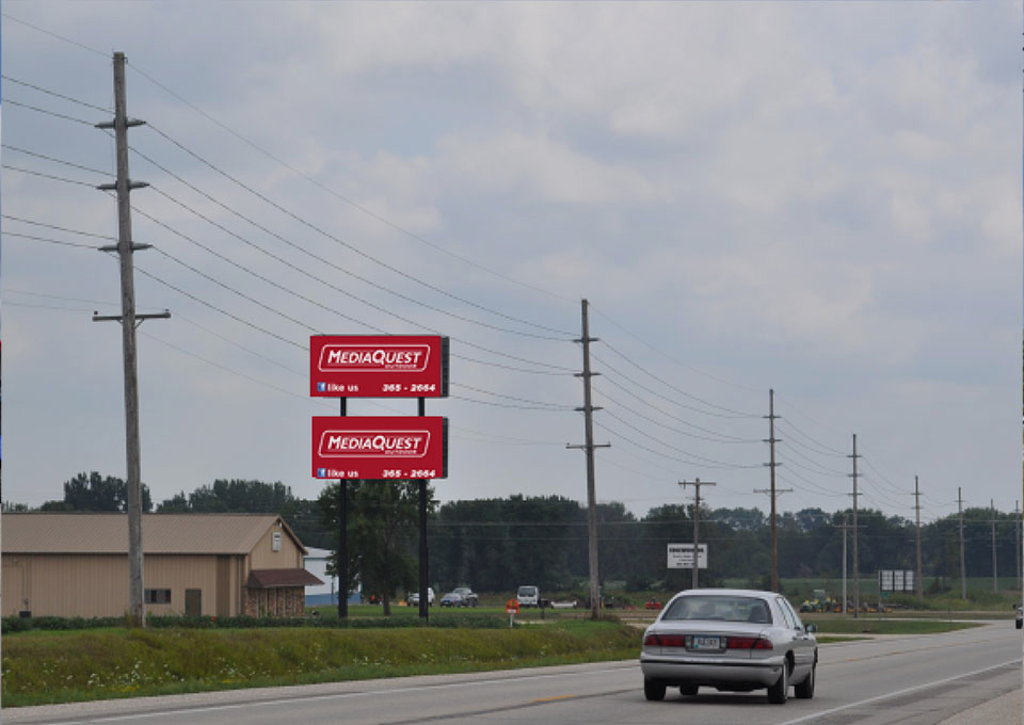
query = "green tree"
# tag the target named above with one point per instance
(382, 534)
(92, 492)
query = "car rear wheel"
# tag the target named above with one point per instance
(805, 690)
(654, 689)
(690, 690)
(778, 692)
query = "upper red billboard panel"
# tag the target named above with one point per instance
(378, 366)
(380, 447)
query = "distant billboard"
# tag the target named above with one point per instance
(680, 556)
(378, 366)
(380, 447)
(896, 580)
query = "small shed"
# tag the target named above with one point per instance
(76, 565)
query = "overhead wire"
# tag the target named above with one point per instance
(661, 394)
(316, 257)
(631, 361)
(54, 35)
(347, 200)
(622, 405)
(37, 109)
(680, 420)
(34, 87)
(348, 245)
(669, 357)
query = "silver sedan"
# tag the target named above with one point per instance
(734, 640)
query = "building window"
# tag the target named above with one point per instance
(275, 542)
(158, 596)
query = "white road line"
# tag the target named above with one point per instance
(868, 701)
(335, 696)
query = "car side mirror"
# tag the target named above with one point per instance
(812, 628)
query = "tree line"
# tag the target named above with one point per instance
(501, 543)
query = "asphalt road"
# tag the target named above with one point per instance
(919, 680)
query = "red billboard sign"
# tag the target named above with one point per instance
(380, 447)
(378, 366)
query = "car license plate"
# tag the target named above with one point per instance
(707, 643)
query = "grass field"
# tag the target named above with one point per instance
(46, 667)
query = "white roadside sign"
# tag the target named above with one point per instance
(680, 556)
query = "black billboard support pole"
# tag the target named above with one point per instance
(424, 572)
(343, 537)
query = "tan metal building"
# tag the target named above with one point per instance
(76, 565)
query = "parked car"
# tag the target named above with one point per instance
(413, 600)
(470, 598)
(528, 596)
(453, 599)
(735, 640)
(1020, 617)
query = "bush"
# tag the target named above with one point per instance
(463, 620)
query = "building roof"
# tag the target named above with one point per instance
(107, 533)
(271, 578)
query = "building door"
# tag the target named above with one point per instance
(193, 602)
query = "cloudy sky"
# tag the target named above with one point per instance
(820, 198)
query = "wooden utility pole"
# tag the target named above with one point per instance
(963, 567)
(856, 562)
(846, 528)
(917, 510)
(588, 417)
(771, 441)
(1016, 532)
(129, 321)
(774, 493)
(696, 483)
(995, 565)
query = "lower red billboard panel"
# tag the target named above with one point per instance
(384, 447)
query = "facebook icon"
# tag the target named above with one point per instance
(321, 473)
(321, 387)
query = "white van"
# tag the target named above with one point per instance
(528, 596)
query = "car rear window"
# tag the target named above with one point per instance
(720, 609)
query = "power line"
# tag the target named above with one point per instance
(48, 176)
(675, 448)
(673, 360)
(660, 394)
(348, 201)
(316, 257)
(823, 450)
(679, 390)
(824, 469)
(672, 428)
(106, 56)
(684, 422)
(9, 79)
(54, 160)
(46, 239)
(105, 237)
(666, 455)
(37, 109)
(348, 245)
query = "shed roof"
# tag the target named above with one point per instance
(107, 533)
(272, 578)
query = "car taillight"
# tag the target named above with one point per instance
(749, 643)
(664, 640)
